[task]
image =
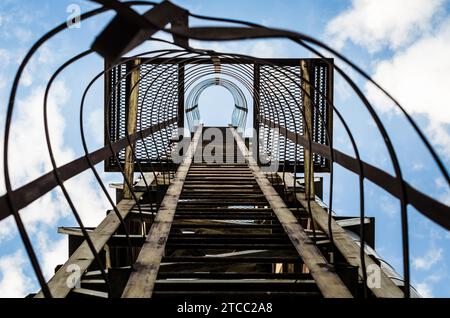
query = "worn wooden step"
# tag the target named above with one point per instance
(237, 294)
(181, 242)
(215, 190)
(233, 259)
(268, 285)
(219, 166)
(217, 182)
(225, 217)
(230, 235)
(86, 293)
(226, 240)
(223, 196)
(227, 225)
(205, 185)
(228, 246)
(219, 169)
(94, 284)
(234, 275)
(222, 209)
(219, 174)
(233, 202)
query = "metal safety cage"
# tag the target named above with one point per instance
(268, 78)
(160, 92)
(155, 108)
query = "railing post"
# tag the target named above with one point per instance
(131, 128)
(307, 128)
(180, 95)
(256, 109)
(145, 270)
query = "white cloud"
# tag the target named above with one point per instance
(425, 287)
(13, 281)
(45, 54)
(26, 79)
(418, 78)
(5, 56)
(375, 23)
(87, 197)
(444, 189)
(28, 152)
(53, 253)
(257, 48)
(417, 72)
(267, 49)
(22, 35)
(418, 166)
(389, 206)
(95, 120)
(433, 256)
(424, 290)
(7, 229)
(29, 159)
(439, 134)
(44, 213)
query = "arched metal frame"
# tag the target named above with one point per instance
(239, 69)
(240, 111)
(16, 199)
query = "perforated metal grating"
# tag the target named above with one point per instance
(280, 89)
(321, 115)
(157, 103)
(280, 99)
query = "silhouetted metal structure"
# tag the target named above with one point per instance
(218, 227)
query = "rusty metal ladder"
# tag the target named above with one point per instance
(226, 237)
(226, 240)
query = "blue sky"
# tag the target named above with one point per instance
(405, 45)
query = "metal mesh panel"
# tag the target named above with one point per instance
(278, 91)
(157, 102)
(281, 102)
(117, 86)
(280, 98)
(320, 114)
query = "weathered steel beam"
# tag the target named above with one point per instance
(83, 257)
(131, 127)
(308, 128)
(124, 33)
(33, 190)
(323, 273)
(142, 279)
(429, 207)
(347, 246)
